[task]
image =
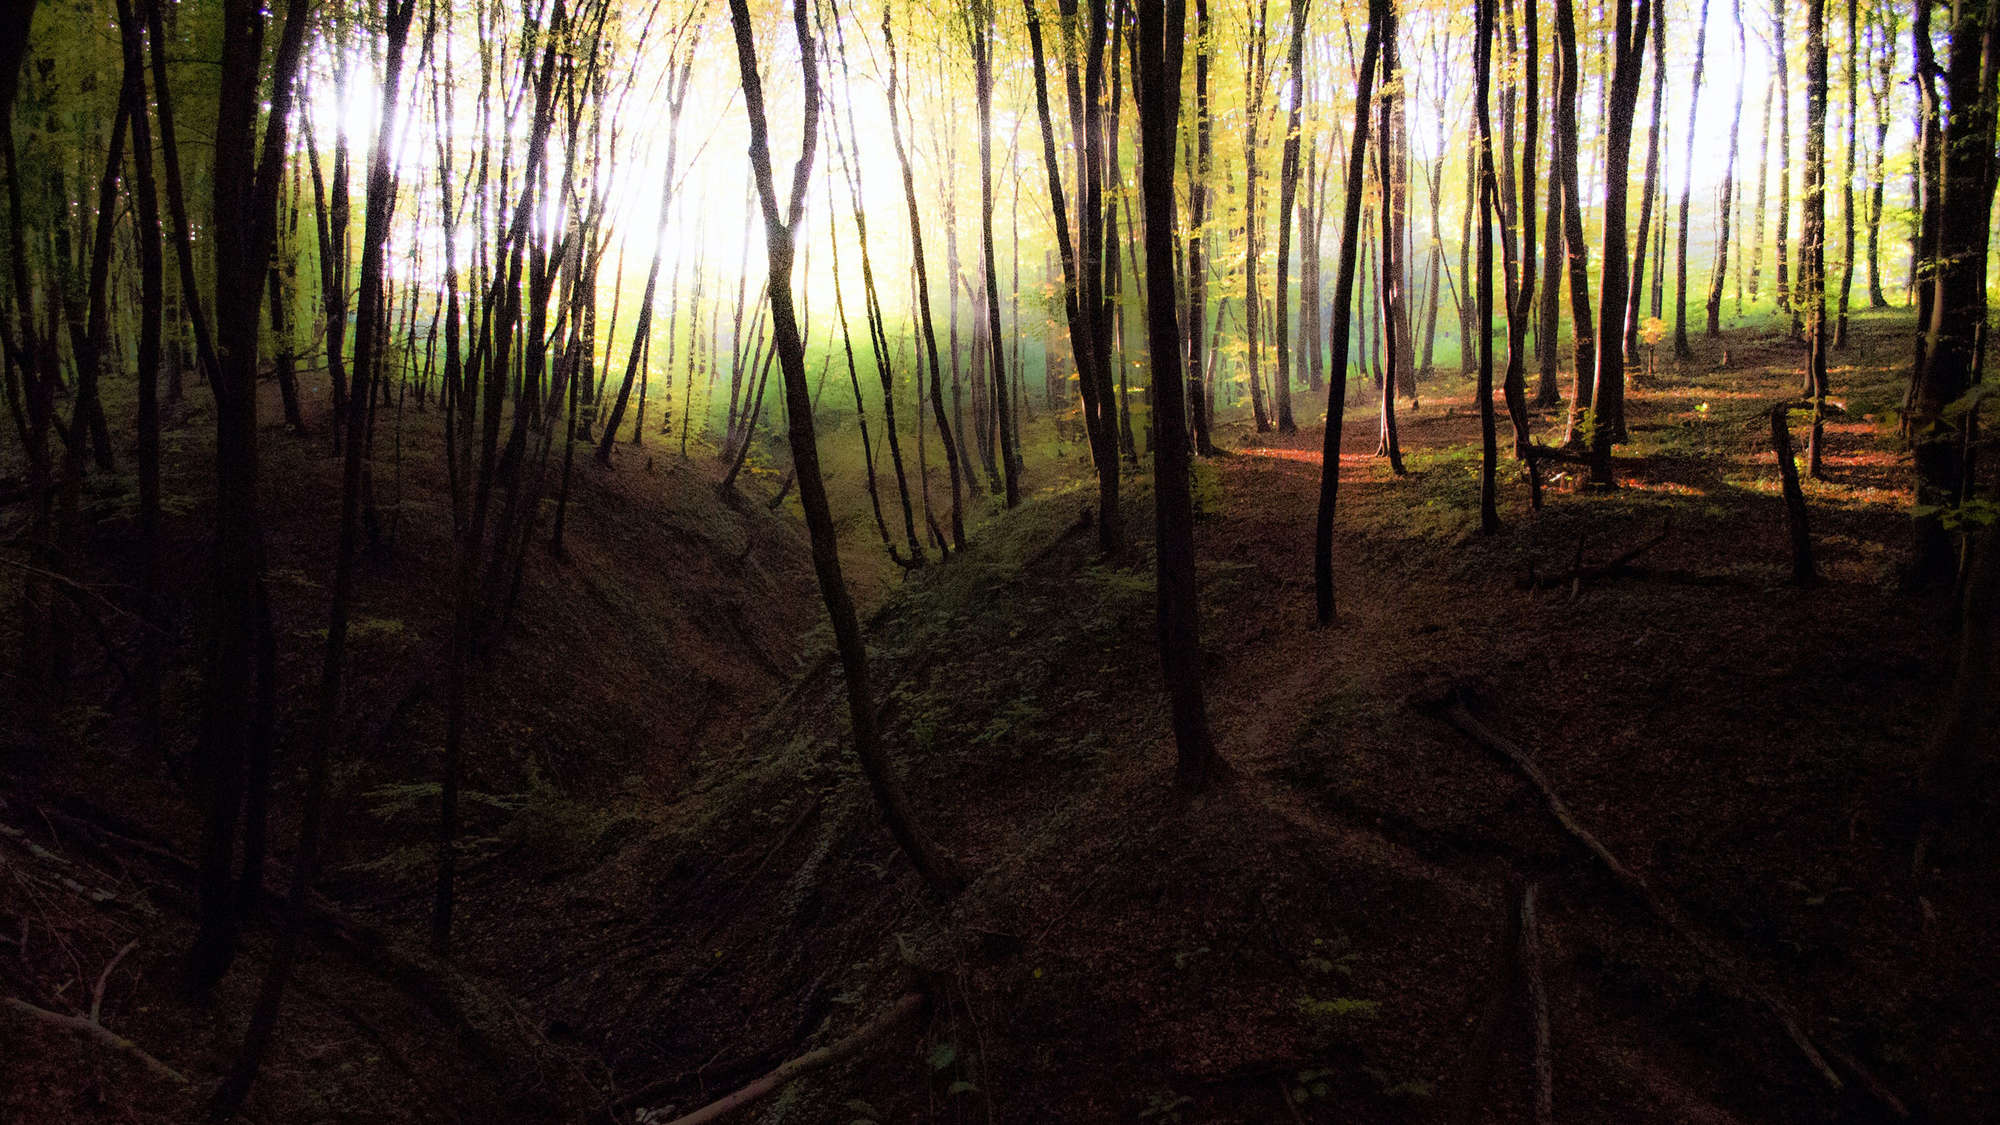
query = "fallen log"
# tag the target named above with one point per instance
(1728, 969)
(910, 1004)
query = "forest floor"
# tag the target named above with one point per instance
(1324, 937)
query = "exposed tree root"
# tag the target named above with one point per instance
(909, 1005)
(1727, 968)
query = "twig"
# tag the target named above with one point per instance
(909, 1005)
(103, 978)
(1578, 573)
(1727, 968)
(94, 1030)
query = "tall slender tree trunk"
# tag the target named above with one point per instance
(1758, 223)
(1255, 77)
(1716, 278)
(1955, 270)
(1628, 49)
(924, 317)
(1576, 251)
(1812, 233)
(1288, 190)
(1681, 348)
(1650, 194)
(1157, 84)
(1781, 62)
(1197, 239)
(1343, 308)
(1489, 206)
(938, 870)
(1847, 176)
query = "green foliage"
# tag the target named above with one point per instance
(1338, 1008)
(1205, 486)
(1165, 1105)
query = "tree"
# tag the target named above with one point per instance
(1341, 325)
(1954, 270)
(1256, 77)
(1583, 332)
(1812, 233)
(938, 870)
(1681, 348)
(981, 16)
(1727, 195)
(234, 733)
(1288, 190)
(1628, 50)
(1197, 241)
(1489, 205)
(1157, 88)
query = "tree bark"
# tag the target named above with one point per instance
(1341, 325)
(938, 870)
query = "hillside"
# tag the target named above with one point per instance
(660, 912)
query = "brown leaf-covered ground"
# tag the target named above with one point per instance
(663, 911)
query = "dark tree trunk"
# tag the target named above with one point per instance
(1489, 205)
(1879, 88)
(1628, 49)
(938, 870)
(380, 202)
(1650, 192)
(1197, 246)
(1812, 234)
(1288, 192)
(1519, 256)
(1256, 75)
(924, 317)
(1576, 251)
(1780, 61)
(1847, 176)
(245, 185)
(1956, 269)
(1157, 84)
(1728, 195)
(1388, 275)
(1681, 348)
(1343, 308)
(982, 39)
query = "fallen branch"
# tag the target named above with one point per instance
(91, 1029)
(1579, 573)
(909, 1005)
(1727, 968)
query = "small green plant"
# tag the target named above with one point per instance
(1338, 1007)
(1165, 1105)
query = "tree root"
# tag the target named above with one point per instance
(1728, 969)
(909, 1005)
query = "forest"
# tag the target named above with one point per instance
(1372, 561)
